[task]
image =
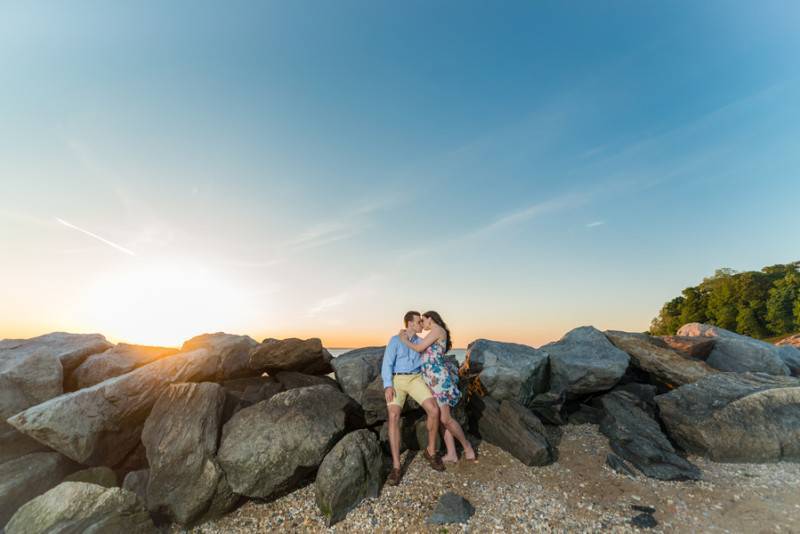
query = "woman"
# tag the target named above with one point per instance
(442, 379)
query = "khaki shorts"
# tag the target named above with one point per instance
(413, 385)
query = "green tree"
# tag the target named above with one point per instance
(782, 304)
(668, 320)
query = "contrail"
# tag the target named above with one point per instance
(90, 234)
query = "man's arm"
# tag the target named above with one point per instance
(387, 367)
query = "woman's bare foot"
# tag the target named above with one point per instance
(447, 459)
(469, 455)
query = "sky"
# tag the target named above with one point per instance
(316, 169)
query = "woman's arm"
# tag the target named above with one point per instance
(429, 340)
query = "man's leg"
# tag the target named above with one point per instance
(432, 411)
(394, 434)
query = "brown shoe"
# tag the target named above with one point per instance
(435, 461)
(394, 477)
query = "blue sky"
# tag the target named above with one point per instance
(316, 168)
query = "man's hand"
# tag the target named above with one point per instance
(389, 392)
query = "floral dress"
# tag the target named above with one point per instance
(440, 375)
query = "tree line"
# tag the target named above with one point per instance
(759, 304)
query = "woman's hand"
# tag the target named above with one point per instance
(403, 334)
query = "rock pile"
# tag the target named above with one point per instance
(193, 432)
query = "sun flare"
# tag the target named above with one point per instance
(164, 303)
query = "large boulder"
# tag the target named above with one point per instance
(102, 424)
(273, 446)
(738, 353)
(100, 475)
(181, 436)
(665, 364)
(349, 473)
(136, 482)
(698, 347)
(31, 372)
(585, 361)
(736, 417)
(358, 373)
(116, 361)
(513, 428)
(507, 371)
(291, 380)
(232, 353)
(637, 437)
(24, 478)
(82, 507)
(791, 357)
(300, 355)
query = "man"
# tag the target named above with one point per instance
(401, 377)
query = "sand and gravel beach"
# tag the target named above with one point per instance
(577, 493)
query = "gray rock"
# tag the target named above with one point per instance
(736, 417)
(181, 436)
(291, 380)
(513, 428)
(102, 424)
(413, 433)
(77, 507)
(102, 476)
(698, 347)
(299, 355)
(550, 406)
(508, 371)
(636, 436)
(231, 351)
(273, 446)
(737, 353)
(31, 372)
(24, 478)
(791, 357)
(585, 361)
(136, 482)
(116, 361)
(666, 365)
(350, 472)
(619, 465)
(358, 373)
(451, 508)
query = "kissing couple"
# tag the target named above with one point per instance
(416, 367)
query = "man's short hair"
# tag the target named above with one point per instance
(409, 316)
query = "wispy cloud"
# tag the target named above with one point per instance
(594, 224)
(328, 303)
(95, 236)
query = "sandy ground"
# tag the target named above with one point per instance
(577, 493)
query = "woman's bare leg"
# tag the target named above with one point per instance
(454, 429)
(450, 445)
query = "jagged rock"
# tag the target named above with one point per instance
(181, 437)
(24, 478)
(635, 436)
(619, 465)
(136, 482)
(358, 373)
(300, 355)
(584, 361)
(550, 406)
(82, 507)
(737, 353)
(791, 357)
(736, 417)
(692, 346)
(291, 380)
(513, 428)
(100, 425)
(350, 472)
(116, 361)
(275, 445)
(31, 372)
(665, 364)
(585, 414)
(451, 508)
(102, 476)
(793, 340)
(507, 371)
(232, 352)
(134, 461)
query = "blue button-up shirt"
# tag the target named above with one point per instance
(398, 358)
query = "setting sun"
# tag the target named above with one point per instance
(163, 303)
